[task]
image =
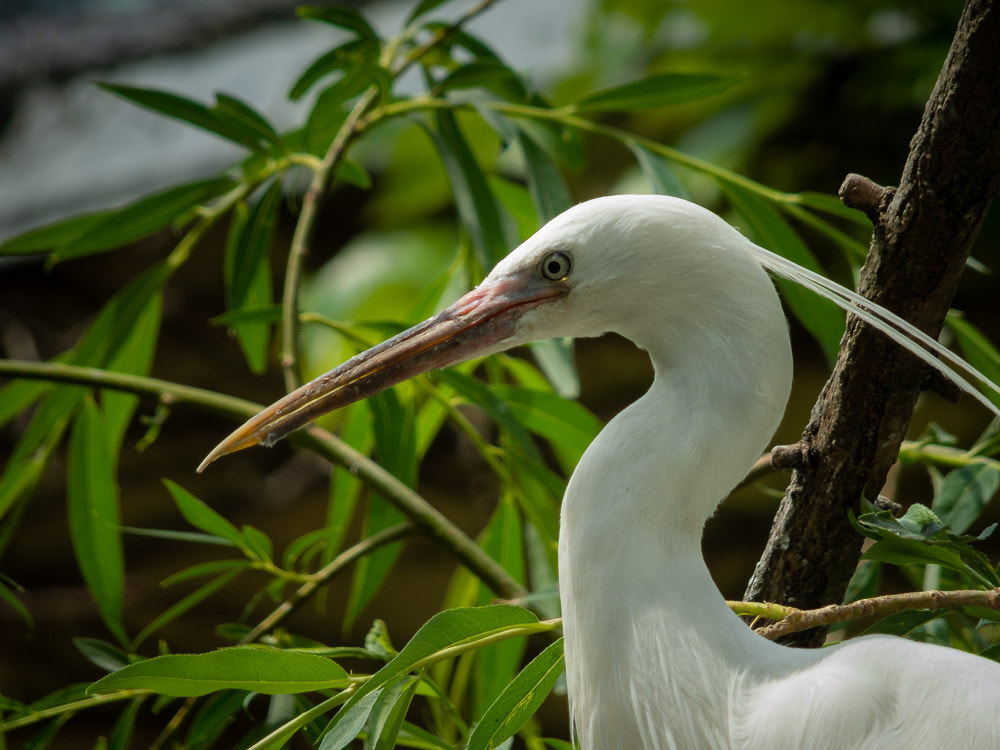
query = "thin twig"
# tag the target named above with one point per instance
(424, 516)
(794, 620)
(325, 574)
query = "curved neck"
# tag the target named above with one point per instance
(647, 632)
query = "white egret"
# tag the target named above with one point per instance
(655, 659)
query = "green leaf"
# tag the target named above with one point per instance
(199, 515)
(978, 350)
(190, 601)
(330, 110)
(823, 319)
(212, 719)
(262, 670)
(257, 543)
(248, 272)
(387, 716)
(205, 569)
(142, 218)
(352, 722)
(903, 623)
(490, 74)
(964, 493)
(447, 633)
(568, 425)
(11, 598)
(350, 53)
(519, 700)
(121, 733)
(548, 188)
(555, 357)
(47, 237)
(395, 443)
(833, 205)
(240, 115)
(94, 516)
(101, 653)
(423, 8)
(657, 90)
(341, 16)
(188, 111)
(660, 176)
(477, 206)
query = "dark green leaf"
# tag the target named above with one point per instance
(519, 700)
(387, 716)
(101, 653)
(548, 188)
(964, 493)
(257, 543)
(201, 516)
(142, 218)
(240, 115)
(205, 569)
(350, 53)
(490, 74)
(352, 722)
(353, 173)
(188, 111)
(903, 623)
(341, 16)
(11, 598)
(121, 733)
(657, 90)
(477, 206)
(212, 719)
(94, 516)
(262, 670)
(832, 205)
(330, 110)
(47, 237)
(978, 350)
(657, 172)
(423, 7)
(823, 319)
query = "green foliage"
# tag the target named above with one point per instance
(482, 138)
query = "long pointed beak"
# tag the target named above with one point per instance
(475, 325)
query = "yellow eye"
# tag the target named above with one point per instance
(556, 266)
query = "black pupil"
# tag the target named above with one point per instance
(554, 267)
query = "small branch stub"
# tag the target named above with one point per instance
(861, 193)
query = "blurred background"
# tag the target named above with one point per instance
(830, 88)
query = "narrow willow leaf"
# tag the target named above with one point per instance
(199, 515)
(350, 53)
(395, 443)
(492, 75)
(51, 236)
(657, 90)
(353, 173)
(832, 205)
(387, 716)
(330, 110)
(94, 516)
(447, 633)
(11, 598)
(187, 111)
(548, 189)
(568, 425)
(238, 114)
(477, 206)
(212, 718)
(516, 199)
(519, 700)
(903, 623)
(121, 733)
(345, 487)
(142, 218)
(978, 350)
(660, 176)
(342, 16)
(555, 357)
(423, 8)
(205, 569)
(257, 543)
(101, 653)
(964, 494)
(18, 396)
(262, 670)
(352, 722)
(820, 316)
(504, 542)
(248, 272)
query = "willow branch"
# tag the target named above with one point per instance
(792, 620)
(424, 516)
(322, 176)
(325, 574)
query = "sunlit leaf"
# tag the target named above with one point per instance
(657, 90)
(262, 670)
(964, 493)
(386, 718)
(660, 176)
(351, 723)
(94, 516)
(519, 700)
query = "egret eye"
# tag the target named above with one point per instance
(556, 266)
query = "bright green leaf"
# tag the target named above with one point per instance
(262, 670)
(964, 493)
(201, 516)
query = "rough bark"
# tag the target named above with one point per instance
(923, 234)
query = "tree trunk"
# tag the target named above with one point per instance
(923, 233)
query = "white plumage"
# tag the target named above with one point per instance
(655, 659)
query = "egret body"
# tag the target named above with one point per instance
(655, 659)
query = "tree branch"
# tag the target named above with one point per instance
(424, 516)
(922, 238)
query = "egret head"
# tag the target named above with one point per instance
(628, 263)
